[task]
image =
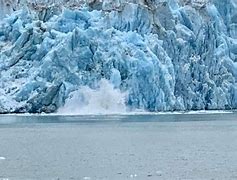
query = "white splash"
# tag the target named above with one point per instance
(105, 100)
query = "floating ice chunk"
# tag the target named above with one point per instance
(2, 158)
(87, 178)
(133, 175)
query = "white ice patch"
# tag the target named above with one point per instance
(2, 158)
(87, 178)
(105, 100)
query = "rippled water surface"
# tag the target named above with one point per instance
(175, 146)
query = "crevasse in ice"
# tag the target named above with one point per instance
(166, 55)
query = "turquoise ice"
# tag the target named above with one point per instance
(164, 55)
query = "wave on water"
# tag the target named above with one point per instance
(127, 113)
(131, 113)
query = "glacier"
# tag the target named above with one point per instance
(158, 55)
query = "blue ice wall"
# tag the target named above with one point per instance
(167, 55)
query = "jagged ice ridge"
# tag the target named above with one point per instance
(165, 55)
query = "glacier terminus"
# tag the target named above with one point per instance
(154, 55)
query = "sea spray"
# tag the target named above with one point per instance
(104, 100)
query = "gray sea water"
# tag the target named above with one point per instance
(114, 147)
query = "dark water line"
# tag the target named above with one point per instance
(97, 119)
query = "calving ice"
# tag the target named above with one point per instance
(156, 55)
(104, 99)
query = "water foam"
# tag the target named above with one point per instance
(104, 100)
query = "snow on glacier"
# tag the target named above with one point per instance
(164, 55)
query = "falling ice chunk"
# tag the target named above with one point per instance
(2, 158)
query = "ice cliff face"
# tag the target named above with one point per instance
(165, 54)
